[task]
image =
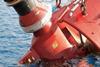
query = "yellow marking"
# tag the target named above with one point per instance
(55, 45)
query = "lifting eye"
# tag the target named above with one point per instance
(58, 3)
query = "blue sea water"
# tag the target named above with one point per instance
(14, 43)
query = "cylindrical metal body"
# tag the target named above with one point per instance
(20, 6)
(52, 45)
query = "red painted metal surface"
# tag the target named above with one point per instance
(54, 40)
(88, 25)
(28, 19)
(29, 56)
(52, 45)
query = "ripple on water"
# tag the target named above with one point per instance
(13, 41)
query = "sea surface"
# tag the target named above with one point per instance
(14, 42)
